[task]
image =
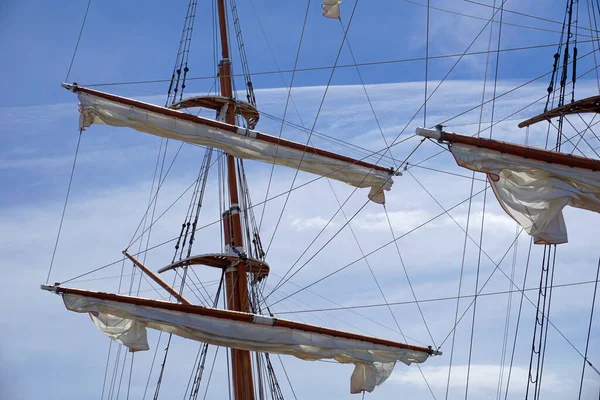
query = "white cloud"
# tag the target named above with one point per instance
(310, 223)
(483, 380)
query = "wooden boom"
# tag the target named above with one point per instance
(235, 316)
(587, 105)
(554, 157)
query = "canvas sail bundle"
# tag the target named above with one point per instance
(126, 321)
(331, 8)
(102, 108)
(532, 191)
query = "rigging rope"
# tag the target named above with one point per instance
(341, 66)
(373, 251)
(78, 40)
(243, 59)
(469, 214)
(62, 217)
(587, 341)
(493, 108)
(183, 53)
(287, 101)
(514, 346)
(313, 125)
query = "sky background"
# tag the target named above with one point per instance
(47, 352)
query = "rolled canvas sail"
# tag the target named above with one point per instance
(331, 8)
(101, 108)
(534, 192)
(126, 323)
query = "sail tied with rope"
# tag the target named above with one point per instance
(331, 8)
(125, 319)
(102, 108)
(532, 185)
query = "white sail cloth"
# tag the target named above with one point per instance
(533, 192)
(331, 8)
(127, 323)
(242, 144)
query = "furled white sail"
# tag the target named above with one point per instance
(534, 192)
(331, 8)
(101, 108)
(126, 323)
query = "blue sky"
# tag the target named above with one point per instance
(49, 352)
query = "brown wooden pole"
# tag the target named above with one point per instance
(158, 280)
(233, 316)
(226, 126)
(526, 152)
(236, 281)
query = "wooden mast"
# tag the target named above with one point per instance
(236, 285)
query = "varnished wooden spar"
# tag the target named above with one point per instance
(587, 105)
(245, 109)
(235, 316)
(218, 260)
(228, 127)
(157, 279)
(527, 152)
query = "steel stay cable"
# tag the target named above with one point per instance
(313, 127)
(525, 296)
(499, 121)
(285, 277)
(587, 342)
(446, 76)
(340, 208)
(367, 93)
(62, 217)
(480, 244)
(588, 127)
(435, 299)
(590, 13)
(496, 268)
(346, 322)
(527, 15)
(331, 139)
(519, 87)
(287, 102)
(309, 69)
(412, 290)
(135, 239)
(78, 40)
(341, 307)
(483, 19)
(370, 268)
(374, 251)
(154, 197)
(298, 303)
(514, 346)
(465, 241)
(507, 321)
(545, 330)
